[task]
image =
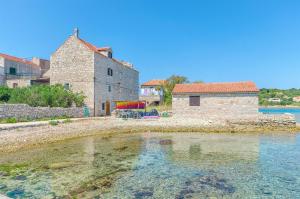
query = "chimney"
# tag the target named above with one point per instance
(76, 32)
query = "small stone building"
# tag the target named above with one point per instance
(215, 99)
(18, 72)
(83, 67)
(151, 92)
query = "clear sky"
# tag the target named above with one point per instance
(209, 40)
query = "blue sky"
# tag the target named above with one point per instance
(209, 40)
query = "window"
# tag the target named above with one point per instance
(194, 100)
(67, 86)
(109, 88)
(103, 106)
(109, 54)
(12, 71)
(15, 85)
(109, 72)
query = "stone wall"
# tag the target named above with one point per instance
(216, 105)
(2, 74)
(18, 82)
(86, 71)
(124, 83)
(73, 63)
(266, 120)
(25, 111)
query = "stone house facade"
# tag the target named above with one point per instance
(82, 67)
(18, 72)
(226, 100)
(151, 92)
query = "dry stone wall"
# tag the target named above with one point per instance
(216, 105)
(25, 111)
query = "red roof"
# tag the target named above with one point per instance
(96, 50)
(103, 49)
(154, 82)
(16, 59)
(233, 87)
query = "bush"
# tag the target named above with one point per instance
(53, 122)
(11, 120)
(5, 93)
(42, 95)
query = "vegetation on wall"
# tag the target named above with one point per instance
(286, 97)
(42, 95)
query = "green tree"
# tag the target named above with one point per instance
(169, 85)
(198, 81)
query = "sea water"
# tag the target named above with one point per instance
(156, 165)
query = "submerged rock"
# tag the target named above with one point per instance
(60, 165)
(201, 184)
(20, 177)
(2, 186)
(17, 193)
(145, 192)
(165, 142)
(121, 148)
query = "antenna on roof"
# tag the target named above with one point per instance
(76, 32)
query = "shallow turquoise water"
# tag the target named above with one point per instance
(294, 111)
(150, 165)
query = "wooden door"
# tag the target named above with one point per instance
(107, 107)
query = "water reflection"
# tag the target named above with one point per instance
(150, 165)
(82, 167)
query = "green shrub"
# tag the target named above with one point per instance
(42, 95)
(11, 120)
(53, 122)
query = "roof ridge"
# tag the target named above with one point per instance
(95, 50)
(221, 87)
(17, 59)
(217, 82)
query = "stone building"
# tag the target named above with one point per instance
(83, 67)
(151, 92)
(215, 99)
(18, 72)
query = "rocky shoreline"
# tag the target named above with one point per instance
(18, 138)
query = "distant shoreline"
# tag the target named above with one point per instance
(280, 107)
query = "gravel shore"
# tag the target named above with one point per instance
(15, 139)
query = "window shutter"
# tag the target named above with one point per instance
(194, 100)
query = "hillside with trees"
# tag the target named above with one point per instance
(286, 97)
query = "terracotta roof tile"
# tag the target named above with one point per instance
(16, 59)
(103, 49)
(230, 87)
(96, 50)
(154, 82)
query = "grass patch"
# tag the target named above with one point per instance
(68, 120)
(15, 120)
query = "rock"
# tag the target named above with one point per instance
(2, 186)
(121, 148)
(17, 193)
(145, 192)
(61, 165)
(165, 142)
(20, 177)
